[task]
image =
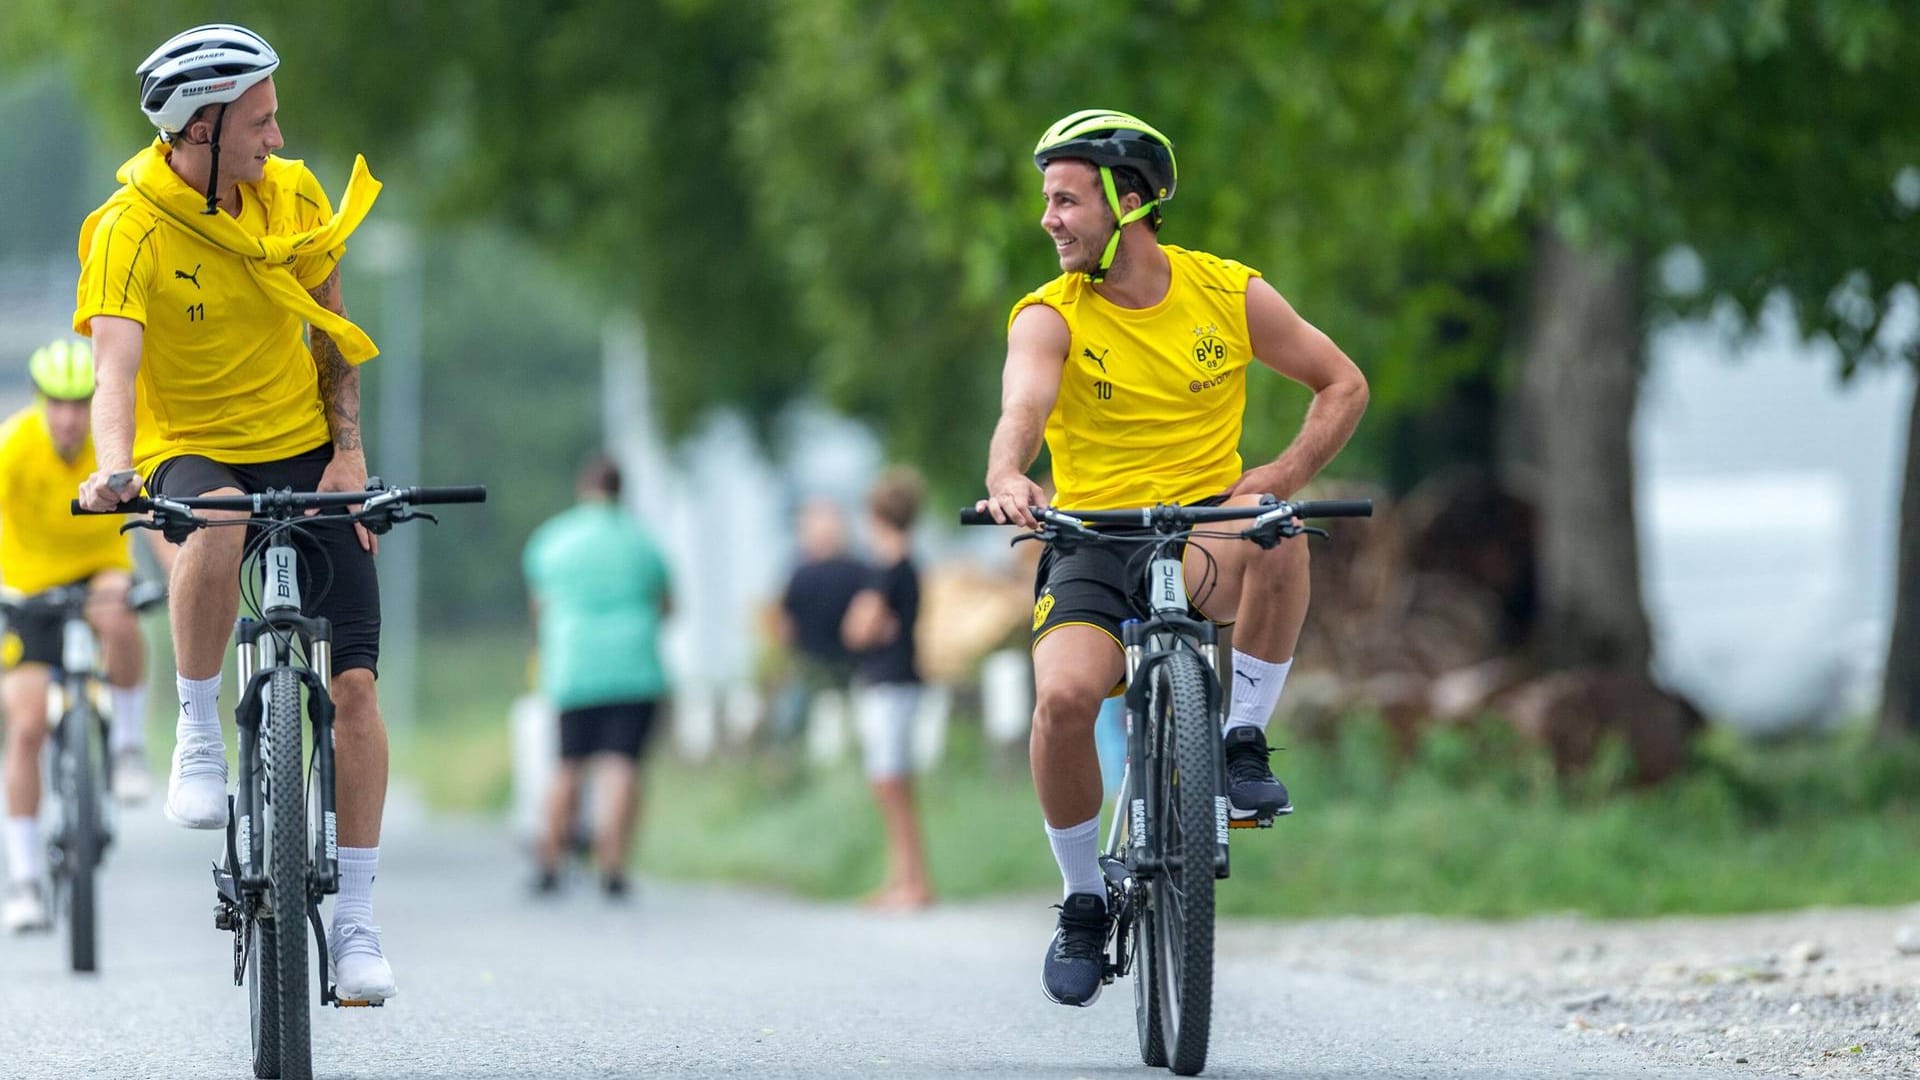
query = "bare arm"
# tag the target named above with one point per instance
(1292, 346)
(340, 399)
(116, 349)
(339, 380)
(1029, 384)
(869, 623)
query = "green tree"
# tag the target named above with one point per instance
(1766, 136)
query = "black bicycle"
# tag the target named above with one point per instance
(282, 852)
(80, 766)
(1167, 840)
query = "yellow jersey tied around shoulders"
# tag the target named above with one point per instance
(42, 544)
(1152, 399)
(225, 371)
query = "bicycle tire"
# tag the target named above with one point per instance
(263, 998)
(288, 873)
(81, 857)
(1146, 991)
(1182, 906)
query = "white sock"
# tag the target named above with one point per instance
(199, 706)
(25, 857)
(130, 717)
(354, 903)
(1256, 689)
(1077, 850)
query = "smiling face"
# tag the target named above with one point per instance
(1077, 217)
(249, 133)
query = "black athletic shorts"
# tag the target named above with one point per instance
(618, 728)
(337, 577)
(34, 637)
(1095, 584)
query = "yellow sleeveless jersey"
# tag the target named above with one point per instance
(42, 544)
(1152, 399)
(224, 370)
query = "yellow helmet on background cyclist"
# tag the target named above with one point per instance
(1109, 140)
(63, 370)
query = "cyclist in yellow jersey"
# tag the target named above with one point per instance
(46, 449)
(210, 284)
(1132, 366)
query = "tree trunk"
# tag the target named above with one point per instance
(1582, 382)
(1900, 694)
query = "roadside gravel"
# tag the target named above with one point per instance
(1816, 993)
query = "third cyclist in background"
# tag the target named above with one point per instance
(46, 449)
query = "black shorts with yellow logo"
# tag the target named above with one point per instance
(34, 637)
(1095, 584)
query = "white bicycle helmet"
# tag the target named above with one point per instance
(206, 65)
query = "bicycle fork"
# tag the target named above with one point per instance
(242, 885)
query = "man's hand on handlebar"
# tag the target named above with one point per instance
(1010, 499)
(104, 490)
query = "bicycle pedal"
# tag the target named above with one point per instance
(1251, 823)
(349, 1003)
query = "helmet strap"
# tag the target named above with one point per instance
(1122, 220)
(213, 161)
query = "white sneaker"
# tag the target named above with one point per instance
(24, 910)
(197, 785)
(132, 780)
(360, 970)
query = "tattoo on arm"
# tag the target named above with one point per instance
(339, 380)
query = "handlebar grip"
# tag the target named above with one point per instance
(137, 505)
(473, 493)
(970, 516)
(1331, 508)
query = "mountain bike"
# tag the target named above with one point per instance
(282, 842)
(1167, 840)
(80, 764)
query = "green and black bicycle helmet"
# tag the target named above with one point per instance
(1114, 140)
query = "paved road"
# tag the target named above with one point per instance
(700, 982)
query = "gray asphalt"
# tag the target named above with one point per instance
(695, 981)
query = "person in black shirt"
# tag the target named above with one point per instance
(880, 627)
(811, 612)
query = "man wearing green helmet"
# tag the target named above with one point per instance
(46, 449)
(1132, 366)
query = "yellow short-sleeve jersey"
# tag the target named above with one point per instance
(224, 372)
(42, 544)
(1152, 399)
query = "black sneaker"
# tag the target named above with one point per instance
(546, 883)
(1076, 964)
(615, 886)
(1251, 786)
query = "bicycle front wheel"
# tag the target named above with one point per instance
(1180, 896)
(287, 874)
(263, 997)
(80, 833)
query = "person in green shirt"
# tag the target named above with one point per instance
(600, 590)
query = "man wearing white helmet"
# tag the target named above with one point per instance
(45, 449)
(1132, 364)
(210, 285)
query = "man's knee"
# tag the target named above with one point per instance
(1281, 567)
(356, 703)
(1063, 708)
(26, 718)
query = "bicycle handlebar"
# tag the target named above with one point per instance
(299, 500)
(1150, 516)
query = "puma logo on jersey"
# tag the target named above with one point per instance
(193, 277)
(1101, 359)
